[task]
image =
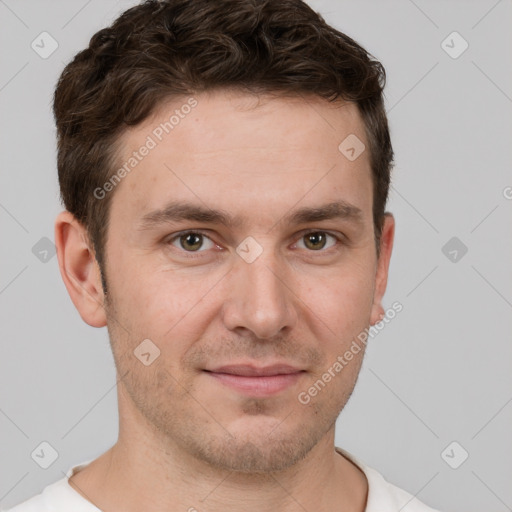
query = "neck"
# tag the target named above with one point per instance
(144, 471)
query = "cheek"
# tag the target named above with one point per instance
(171, 308)
(342, 297)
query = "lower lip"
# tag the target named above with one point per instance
(257, 386)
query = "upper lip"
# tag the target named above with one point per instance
(248, 370)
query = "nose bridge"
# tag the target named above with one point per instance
(259, 300)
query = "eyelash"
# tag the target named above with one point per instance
(340, 240)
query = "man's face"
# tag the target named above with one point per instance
(250, 294)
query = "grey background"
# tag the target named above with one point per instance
(439, 372)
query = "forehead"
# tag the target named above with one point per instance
(253, 154)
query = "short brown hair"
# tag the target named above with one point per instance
(161, 49)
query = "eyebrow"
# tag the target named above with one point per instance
(179, 211)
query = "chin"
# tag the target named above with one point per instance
(257, 450)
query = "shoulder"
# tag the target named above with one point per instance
(56, 497)
(40, 502)
(401, 500)
(383, 496)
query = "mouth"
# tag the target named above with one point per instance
(256, 381)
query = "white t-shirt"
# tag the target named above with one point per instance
(382, 496)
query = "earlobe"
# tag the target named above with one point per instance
(79, 269)
(381, 276)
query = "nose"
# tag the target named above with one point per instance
(260, 299)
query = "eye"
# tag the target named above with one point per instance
(196, 241)
(191, 241)
(318, 240)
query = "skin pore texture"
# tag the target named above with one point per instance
(187, 439)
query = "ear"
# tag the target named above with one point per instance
(79, 269)
(381, 275)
